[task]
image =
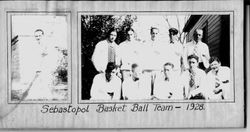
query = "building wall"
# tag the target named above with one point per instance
(216, 35)
(211, 25)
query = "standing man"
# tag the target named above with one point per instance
(105, 51)
(129, 53)
(175, 49)
(45, 60)
(219, 78)
(152, 50)
(194, 80)
(197, 47)
(152, 58)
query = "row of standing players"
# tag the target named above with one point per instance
(158, 70)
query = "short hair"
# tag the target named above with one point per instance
(112, 30)
(214, 58)
(110, 67)
(169, 64)
(39, 30)
(173, 31)
(193, 56)
(129, 29)
(152, 28)
(134, 65)
(198, 29)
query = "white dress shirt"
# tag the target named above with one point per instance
(101, 88)
(200, 83)
(45, 61)
(129, 53)
(140, 89)
(152, 58)
(222, 76)
(173, 54)
(170, 88)
(200, 49)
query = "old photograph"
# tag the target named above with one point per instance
(152, 57)
(39, 57)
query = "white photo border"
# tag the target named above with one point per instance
(68, 15)
(232, 54)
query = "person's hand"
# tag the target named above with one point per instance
(195, 92)
(170, 95)
(153, 98)
(183, 68)
(217, 82)
(217, 90)
(185, 98)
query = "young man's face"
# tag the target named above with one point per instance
(198, 34)
(111, 74)
(136, 72)
(167, 70)
(173, 37)
(193, 63)
(112, 36)
(154, 33)
(38, 35)
(215, 66)
(131, 35)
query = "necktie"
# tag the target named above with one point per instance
(192, 79)
(111, 53)
(166, 78)
(196, 50)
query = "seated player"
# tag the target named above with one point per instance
(167, 85)
(194, 80)
(106, 86)
(138, 86)
(219, 78)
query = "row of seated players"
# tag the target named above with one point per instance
(193, 83)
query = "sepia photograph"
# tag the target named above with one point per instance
(156, 57)
(39, 58)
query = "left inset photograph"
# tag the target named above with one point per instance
(39, 58)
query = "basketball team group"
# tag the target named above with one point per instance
(155, 69)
